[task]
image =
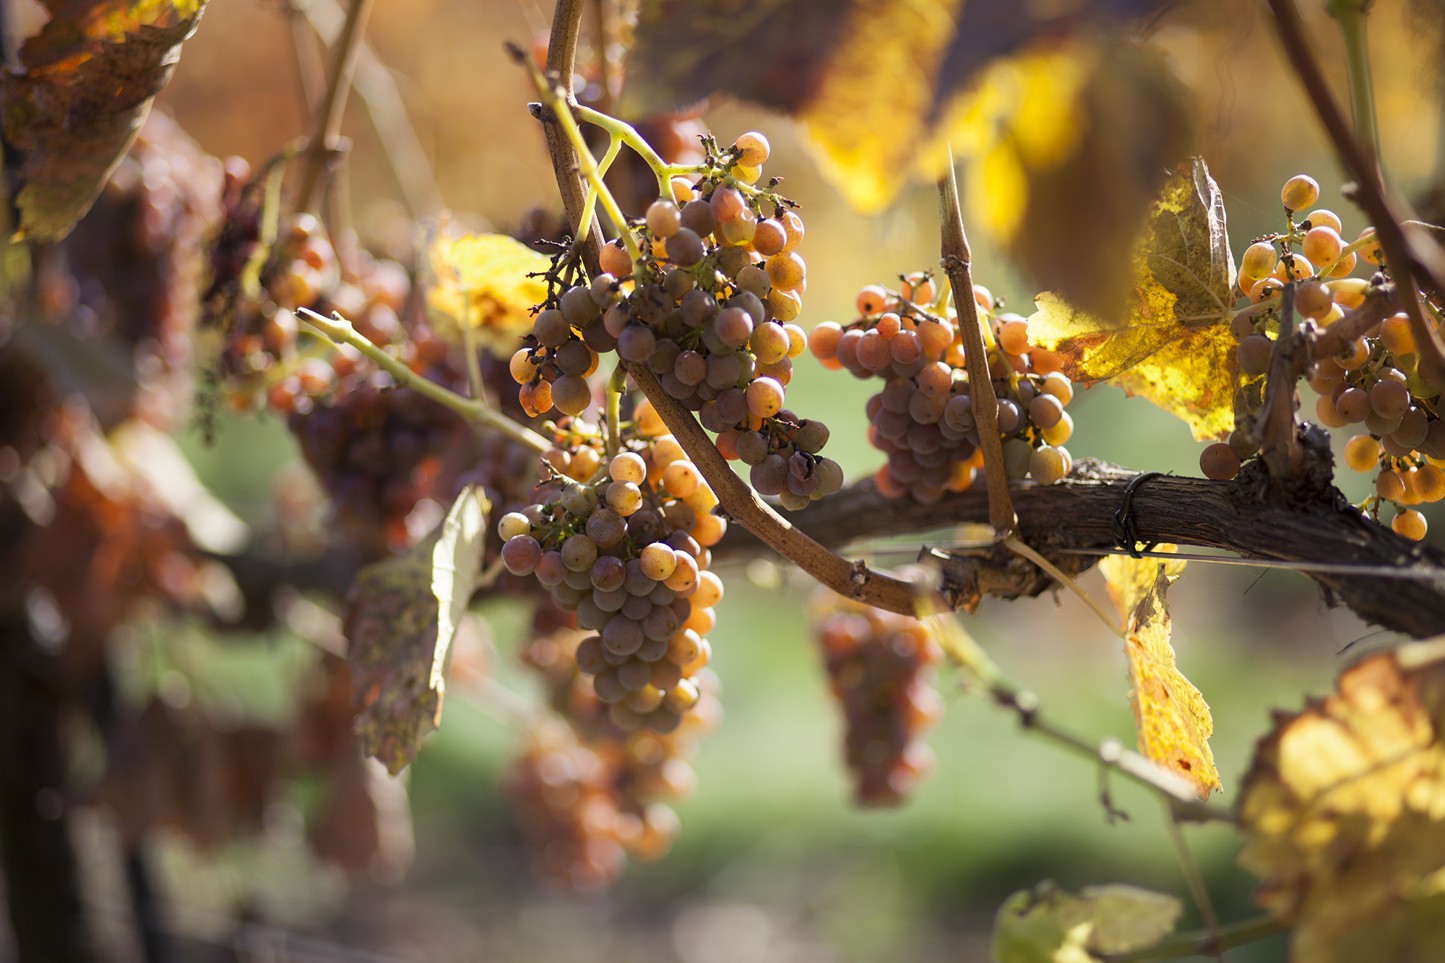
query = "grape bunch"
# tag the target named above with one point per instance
(1373, 383)
(590, 793)
(879, 666)
(709, 308)
(627, 549)
(923, 418)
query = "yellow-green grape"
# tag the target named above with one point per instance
(1219, 462)
(627, 466)
(1299, 192)
(753, 149)
(1362, 453)
(1320, 217)
(1013, 336)
(1431, 483)
(1321, 245)
(1265, 288)
(1411, 524)
(1396, 336)
(1344, 266)
(746, 174)
(1371, 252)
(1293, 267)
(1349, 292)
(1017, 457)
(682, 190)
(1060, 432)
(1047, 465)
(1313, 300)
(1356, 353)
(1390, 486)
(1258, 260)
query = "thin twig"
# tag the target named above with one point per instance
(1203, 944)
(741, 504)
(341, 331)
(561, 61)
(326, 125)
(1195, 881)
(375, 85)
(957, 264)
(1351, 16)
(1378, 305)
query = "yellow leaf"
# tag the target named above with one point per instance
(864, 140)
(1129, 579)
(1170, 713)
(1343, 810)
(481, 279)
(1176, 348)
(1047, 925)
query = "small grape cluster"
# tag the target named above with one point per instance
(591, 793)
(1372, 383)
(709, 308)
(627, 550)
(879, 665)
(923, 418)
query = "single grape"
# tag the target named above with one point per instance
(1219, 462)
(1299, 192)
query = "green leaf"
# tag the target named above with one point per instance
(86, 85)
(401, 617)
(1048, 925)
(1175, 348)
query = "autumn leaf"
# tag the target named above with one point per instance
(481, 280)
(402, 614)
(1170, 714)
(1175, 348)
(1047, 925)
(869, 78)
(85, 86)
(1343, 810)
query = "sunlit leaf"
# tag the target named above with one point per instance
(85, 85)
(1130, 579)
(1172, 717)
(1175, 347)
(869, 78)
(1047, 925)
(401, 617)
(481, 280)
(1344, 813)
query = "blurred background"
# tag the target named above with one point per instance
(774, 862)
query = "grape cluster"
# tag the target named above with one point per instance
(1373, 383)
(879, 665)
(709, 308)
(590, 793)
(626, 549)
(923, 418)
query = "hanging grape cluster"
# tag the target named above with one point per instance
(625, 547)
(707, 307)
(1372, 384)
(923, 418)
(588, 793)
(879, 665)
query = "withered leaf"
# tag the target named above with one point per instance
(401, 617)
(85, 87)
(482, 280)
(1175, 347)
(1343, 810)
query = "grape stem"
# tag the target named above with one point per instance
(1405, 253)
(324, 143)
(957, 261)
(853, 580)
(1350, 15)
(1275, 427)
(616, 385)
(341, 331)
(556, 101)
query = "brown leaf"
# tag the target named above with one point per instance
(401, 616)
(1344, 813)
(86, 85)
